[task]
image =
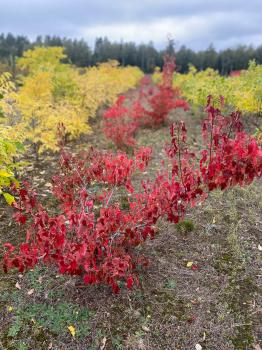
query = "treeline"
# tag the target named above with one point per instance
(145, 56)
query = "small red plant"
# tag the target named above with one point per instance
(161, 99)
(231, 157)
(150, 109)
(92, 236)
(119, 126)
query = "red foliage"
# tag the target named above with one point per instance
(235, 73)
(119, 126)
(160, 102)
(232, 157)
(168, 70)
(94, 235)
(151, 108)
(161, 99)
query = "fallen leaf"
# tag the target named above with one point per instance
(72, 330)
(198, 347)
(259, 247)
(141, 345)
(257, 347)
(145, 328)
(189, 264)
(18, 285)
(103, 344)
(10, 308)
(31, 291)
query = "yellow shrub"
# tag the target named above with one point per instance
(243, 92)
(52, 92)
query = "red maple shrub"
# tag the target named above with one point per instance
(150, 109)
(94, 235)
(232, 157)
(159, 100)
(229, 157)
(119, 126)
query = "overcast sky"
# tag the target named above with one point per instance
(195, 23)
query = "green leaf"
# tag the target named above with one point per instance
(15, 327)
(19, 146)
(9, 198)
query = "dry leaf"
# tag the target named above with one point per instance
(145, 328)
(189, 264)
(198, 347)
(31, 291)
(103, 344)
(257, 347)
(18, 285)
(72, 330)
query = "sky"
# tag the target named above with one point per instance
(194, 23)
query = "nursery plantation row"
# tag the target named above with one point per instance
(241, 90)
(127, 201)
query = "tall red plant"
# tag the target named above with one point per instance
(161, 99)
(150, 108)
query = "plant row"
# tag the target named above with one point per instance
(103, 217)
(242, 90)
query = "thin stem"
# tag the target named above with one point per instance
(179, 159)
(110, 196)
(211, 139)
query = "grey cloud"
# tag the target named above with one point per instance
(223, 20)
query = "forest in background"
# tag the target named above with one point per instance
(144, 56)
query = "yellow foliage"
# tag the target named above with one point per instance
(9, 145)
(243, 92)
(9, 148)
(100, 85)
(53, 92)
(246, 89)
(41, 58)
(41, 113)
